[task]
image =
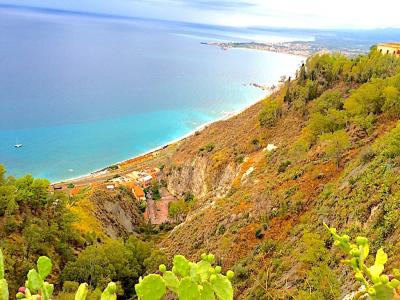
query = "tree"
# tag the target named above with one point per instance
(367, 99)
(177, 210)
(270, 113)
(392, 102)
(115, 260)
(335, 144)
(329, 99)
(155, 190)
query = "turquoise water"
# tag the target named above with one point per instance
(81, 93)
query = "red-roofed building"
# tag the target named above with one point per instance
(136, 190)
(138, 193)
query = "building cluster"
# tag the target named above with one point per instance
(389, 48)
(137, 181)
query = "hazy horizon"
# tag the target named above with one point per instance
(310, 14)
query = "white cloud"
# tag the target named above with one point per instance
(289, 13)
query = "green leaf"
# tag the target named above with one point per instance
(3, 290)
(171, 281)
(379, 266)
(188, 290)
(223, 288)
(381, 257)
(203, 268)
(82, 291)
(181, 265)
(364, 250)
(1, 265)
(152, 287)
(34, 281)
(110, 292)
(44, 266)
(394, 283)
(375, 271)
(383, 292)
(47, 291)
(206, 292)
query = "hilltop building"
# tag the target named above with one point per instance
(389, 48)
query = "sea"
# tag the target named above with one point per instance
(81, 92)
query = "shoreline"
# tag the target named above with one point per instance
(103, 170)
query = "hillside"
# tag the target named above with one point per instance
(254, 190)
(261, 212)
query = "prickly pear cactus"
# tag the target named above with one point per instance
(188, 281)
(82, 292)
(377, 285)
(3, 283)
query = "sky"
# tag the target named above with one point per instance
(357, 14)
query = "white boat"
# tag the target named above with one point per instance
(17, 145)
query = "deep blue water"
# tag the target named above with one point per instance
(81, 93)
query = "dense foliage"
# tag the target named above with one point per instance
(37, 221)
(34, 222)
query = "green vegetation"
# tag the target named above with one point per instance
(270, 113)
(39, 222)
(177, 210)
(207, 148)
(335, 144)
(155, 190)
(37, 288)
(187, 280)
(120, 261)
(378, 286)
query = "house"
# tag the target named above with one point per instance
(138, 193)
(389, 48)
(145, 181)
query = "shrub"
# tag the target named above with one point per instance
(267, 247)
(241, 271)
(70, 286)
(392, 102)
(259, 233)
(328, 100)
(367, 155)
(391, 143)
(270, 113)
(207, 148)
(70, 185)
(335, 144)
(221, 229)
(283, 166)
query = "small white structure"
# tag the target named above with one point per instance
(270, 147)
(146, 180)
(110, 187)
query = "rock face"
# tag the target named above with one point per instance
(198, 177)
(207, 162)
(118, 212)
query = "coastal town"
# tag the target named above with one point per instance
(139, 176)
(299, 48)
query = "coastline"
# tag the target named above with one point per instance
(103, 171)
